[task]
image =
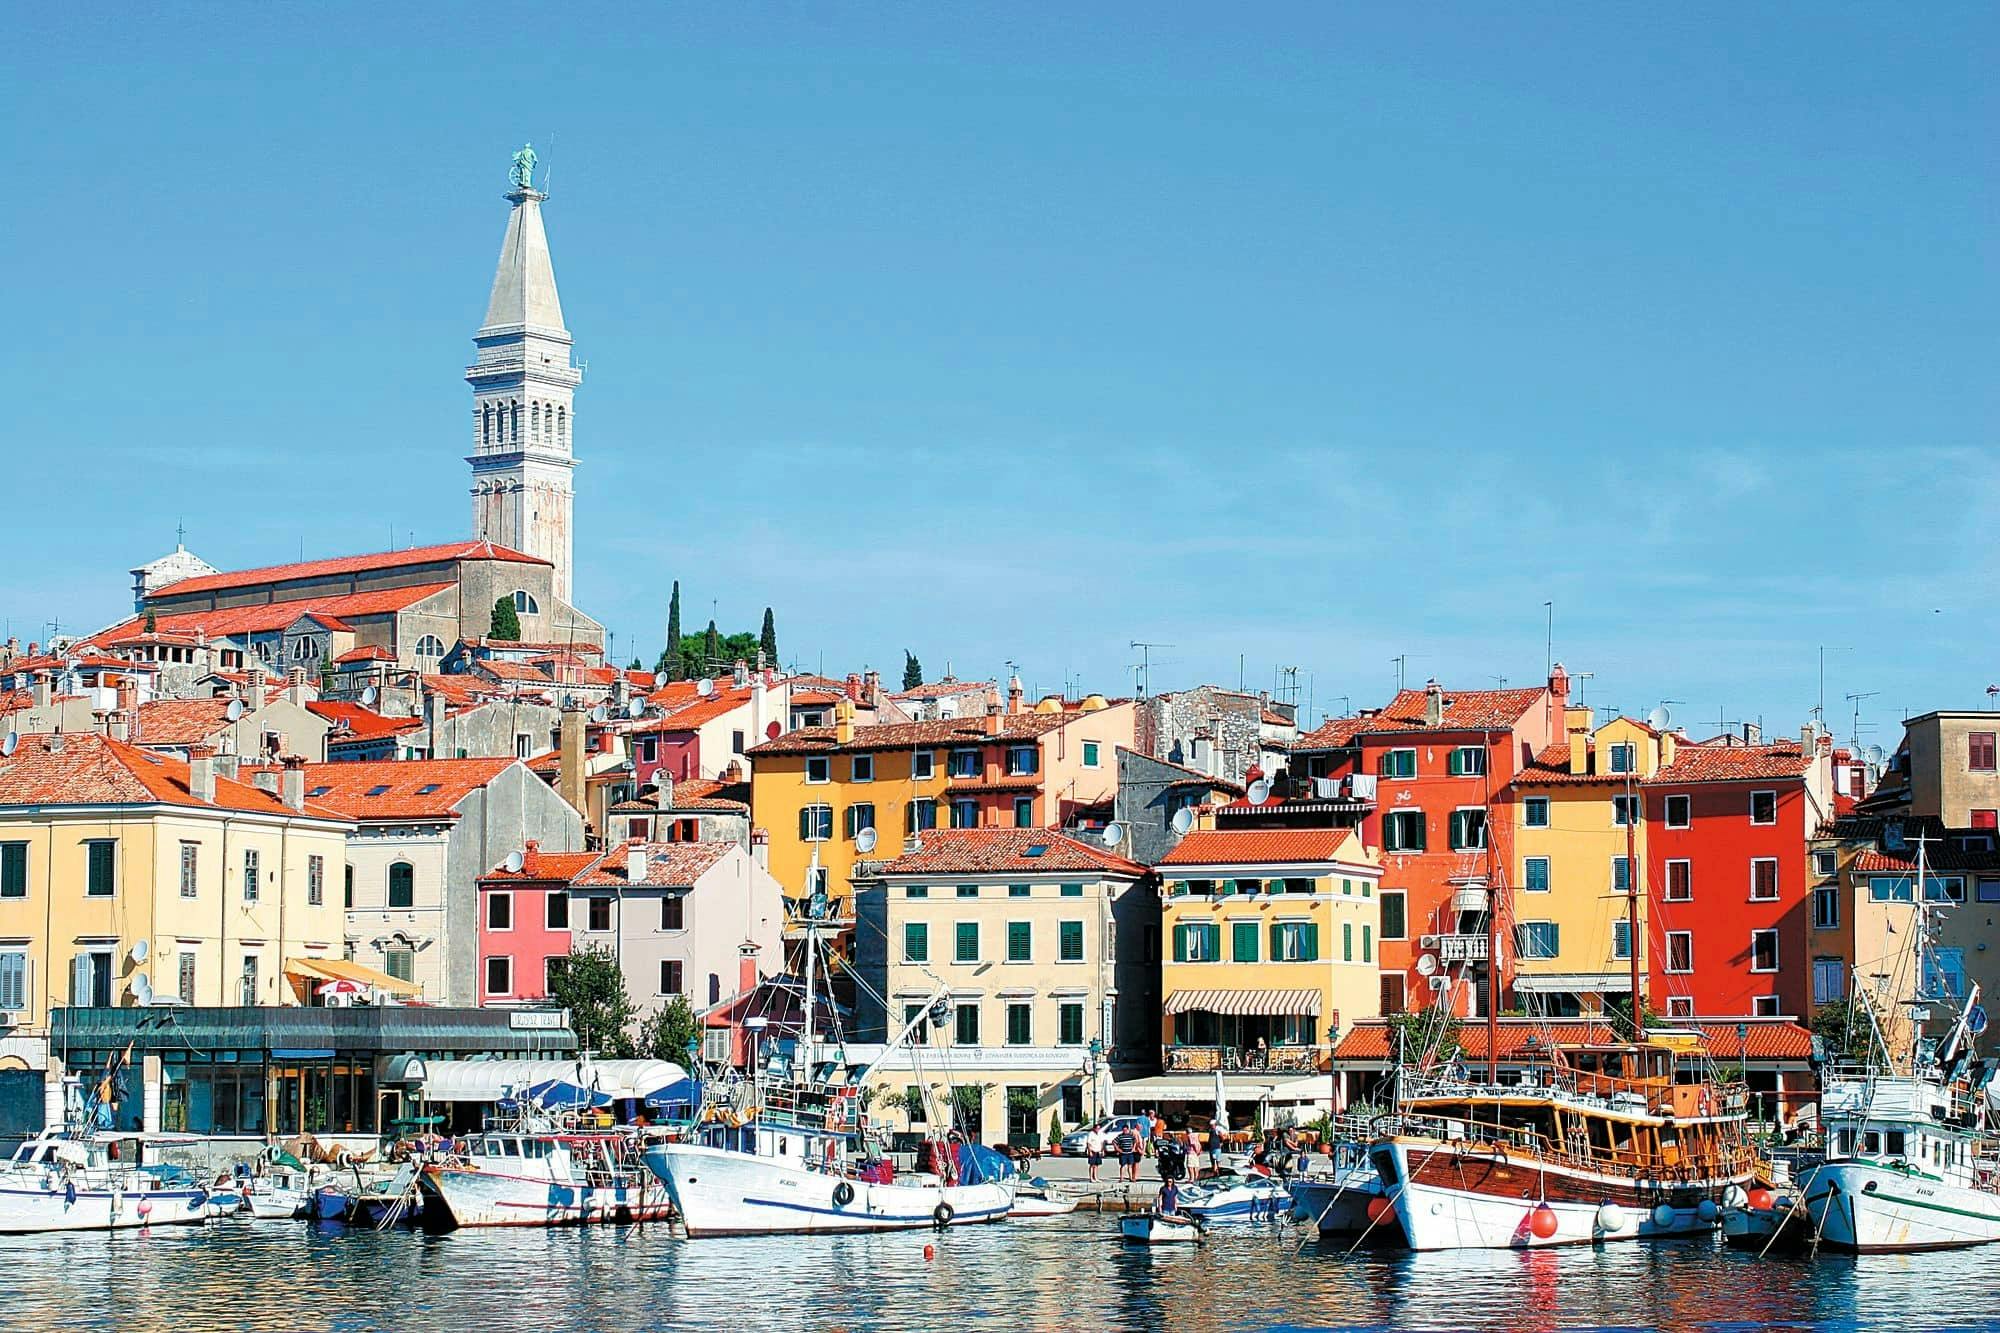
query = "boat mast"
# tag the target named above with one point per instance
(1920, 983)
(803, 1066)
(1632, 889)
(1492, 929)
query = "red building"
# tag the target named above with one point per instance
(1728, 868)
(539, 925)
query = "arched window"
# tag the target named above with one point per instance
(514, 432)
(430, 646)
(535, 422)
(562, 425)
(402, 884)
(526, 604)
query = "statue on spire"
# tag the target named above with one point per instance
(523, 172)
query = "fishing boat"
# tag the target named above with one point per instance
(1155, 1228)
(1236, 1198)
(1349, 1199)
(72, 1180)
(381, 1202)
(1034, 1198)
(534, 1171)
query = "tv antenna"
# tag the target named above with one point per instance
(1145, 681)
(1856, 699)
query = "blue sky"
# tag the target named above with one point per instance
(1312, 334)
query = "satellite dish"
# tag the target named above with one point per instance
(704, 687)
(142, 989)
(1427, 963)
(514, 862)
(773, 731)
(140, 949)
(864, 841)
(1113, 835)
(1260, 791)
(1183, 820)
(635, 706)
(7, 746)
(370, 695)
(599, 713)
(1876, 754)
(234, 710)
(1658, 718)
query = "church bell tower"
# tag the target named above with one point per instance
(523, 392)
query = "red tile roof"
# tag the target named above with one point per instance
(180, 721)
(689, 716)
(1272, 718)
(1227, 847)
(1336, 733)
(350, 787)
(1464, 710)
(536, 864)
(1732, 763)
(813, 697)
(668, 864)
(367, 652)
(462, 690)
(500, 669)
(360, 721)
(962, 731)
(941, 689)
(996, 851)
(90, 769)
(1764, 1039)
(1005, 782)
(707, 794)
(264, 617)
(348, 564)
(1551, 768)
(1937, 861)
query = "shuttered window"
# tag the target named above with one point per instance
(1243, 942)
(1020, 940)
(1071, 934)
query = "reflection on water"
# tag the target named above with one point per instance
(1061, 1273)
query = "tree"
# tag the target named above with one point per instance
(767, 642)
(590, 985)
(913, 670)
(1424, 1033)
(670, 660)
(637, 665)
(152, 620)
(711, 646)
(1844, 1030)
(506, 625)
(670, 1032)
(1619, 1013)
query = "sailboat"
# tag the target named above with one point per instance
(802, 1159)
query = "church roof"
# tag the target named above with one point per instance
(524, 284)
(348, 564)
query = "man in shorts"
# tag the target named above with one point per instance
(1094, 1145)
(1128, 1153)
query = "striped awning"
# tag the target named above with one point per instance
(339, 969)
(1245, 1003)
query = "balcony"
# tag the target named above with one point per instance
(1461, 948)
(1472, 898)
(1250, 1060)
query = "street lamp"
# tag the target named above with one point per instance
(1092, 1064)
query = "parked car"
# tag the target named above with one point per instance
(1073, 1141)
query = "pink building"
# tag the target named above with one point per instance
(524, 922)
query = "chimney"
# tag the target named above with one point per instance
(226, 764)
(871, 685)
(1579, 752)
(760, 847)
(569, 760)
(128, 695)
(266, 779)
(1668, 744)
(1808, 740)
(1752, 734)
(115, 725)
(201, 780)
(1433, 703)
(1014, 695)
(843, 722)
(746, 967)
(636, 864)
(854, 687)
(992, 722)
(739, 675)
(1559, 688)
(295, 782)
(665, 798)
(759, 702)
(38, 689)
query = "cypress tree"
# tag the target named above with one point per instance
(768, 640)
(506, 623)
(913, 670)
(670, 660)
(711, 648)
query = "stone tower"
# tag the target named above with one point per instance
(523, 387)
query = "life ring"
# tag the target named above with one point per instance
(843, 1194)
(942, 1214)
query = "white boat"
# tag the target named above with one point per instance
(1159, 1229)
(1034, 1198)
(61, 1182)
(276, 1197)
(1345, 1202)
(225, 1200)
(1247, 1198)
(548, 1176)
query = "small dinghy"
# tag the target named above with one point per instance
(1160, 1228)
(1034, 1198)
(1237, 1199)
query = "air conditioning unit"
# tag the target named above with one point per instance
(1439, 983)
(8, 1019)
(1427, 942)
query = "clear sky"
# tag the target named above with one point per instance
(1312, 335)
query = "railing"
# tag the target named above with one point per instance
(1593, 1092)
(1462, 948)
(1232, 1059)
(1525, 1147)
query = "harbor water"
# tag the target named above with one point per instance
(1065, 1272)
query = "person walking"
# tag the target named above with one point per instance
(1128, 1153)
(1094, 1145)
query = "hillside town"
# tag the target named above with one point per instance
(286, 840)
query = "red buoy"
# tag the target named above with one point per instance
(1542, 1221)
(1379, 1209)
(929, 1253)
(1761, 1199)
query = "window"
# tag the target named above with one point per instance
(1764, 1006)
(499, 976)
(1069, 935)
(649, 749)
(1468, 830)
(90, 983)
(965, 814)
(1392, 993)
(923, 765)
(1197, 942)
(1763, 807)
(815, 823)
(102, 881)
(1621, 874)
(1986, 819)
(1624, 757)
(1090, 753)
(1945, 972)
(1680, 882)
(1069, 1023)
(1019, 891)
(1394, 919)
(525, 604)
(1022, 760)
(524, 745)
(1020, 1023)
(1367, 943)
(1624, 810)
(968, 890)
(1020, 941)
(1535, 812)
(13, 869)
(965, 942)
(1680, 1006)
(1070, 891)
(1680, 951)
(1944, 889)
(673, 913)
(671, 975)
(819, 769)
(402, 884)
(430, 645)
(1536, 939)
(1399, 763)
(599, 917)
(1891, 889)
(1763, 879)
(1829, 980)
(964, 764)
(1403, 831)
(1347, 941)
(1826, 864)
(13, 980)
(965, 1025)
(315, 880)
(919, 815)
(860, 815)
(862, 768)
(400, 963)
(1680, 811)
(186, 976)
(916, 942)
(1466, 761)
(1621, 940)
(1535, 879)
(1826, 908)
(190, 863)
(249, 979)
(917, 891)
(1243, 942)
(1763, 951)
(347, 886)
(556, 911)
(499, 911)
(1989, 890)
(1294, 942)
(1024, 812)
(1980, 751)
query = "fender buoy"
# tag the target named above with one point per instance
(843, 1194)
(942, 1215)
(1542, 1221)
(1379, 1209)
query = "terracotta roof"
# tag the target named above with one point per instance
(460, 689)
(368, 652)
(1273, 718)
(1551, 769)
(1336, 733)
(1732, 763)
(940, 689)
(91, 769)
(1764, 1039)
(689, 716)
(348, 564)
(1938, 860)
(1225, 847)
(1189, 777)
(707, 794)
(352, 787)
(995, 851)
(13, 701)
(360, 721)
(512, 671)
(181, 721)
(560, 867)
(811, 697)
(545, 763)
(264, 617)
(668, 864)
(1464, 710)
(1005, 782)
(961, 731)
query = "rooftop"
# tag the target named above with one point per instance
(383, 789)
(88, 769)
(1019, 851)
(1232, 847)
(913, 735)
(347, 564)
(668, 864)
(266, 617)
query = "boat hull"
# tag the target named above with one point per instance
(458, 1197)
(1339, 1206)
(1449, 1198)
(1237, 1203)
(1153, 1229)
(1869, 1209)
(721, 1193)
(27, 1210)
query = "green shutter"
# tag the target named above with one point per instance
(1180, 944)
(1214, 941)
(1367, 943)
(805, 824)
(916, 942)
(1277, 942)
(1019, 935)
(1312, 941)
(1347, 941)
(1070, 943)
(1243, 942)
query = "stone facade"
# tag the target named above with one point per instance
(1208, 728)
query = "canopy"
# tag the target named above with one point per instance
(1246, 1003)
(339, 969)
(593, 1082)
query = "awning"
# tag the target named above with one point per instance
(1246, 1003)
(339, 969)
(1583, 983)
(1236, 1088)
(569, 1082)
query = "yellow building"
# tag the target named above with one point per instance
(127, 877)
(814, 790)
(1578, 817)
(1269, 939)
(1012, 952)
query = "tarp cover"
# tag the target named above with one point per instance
(660, 1082)
(978, 1164)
